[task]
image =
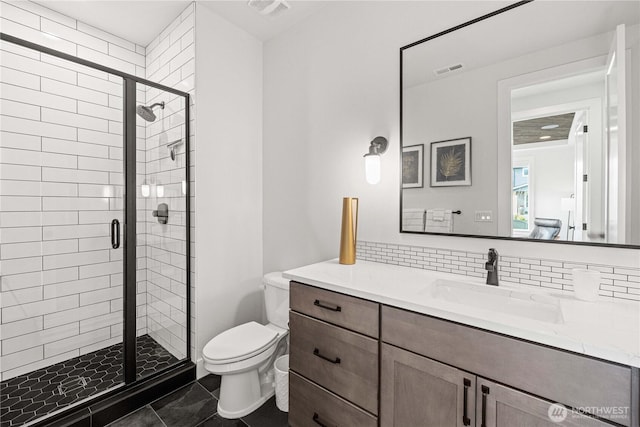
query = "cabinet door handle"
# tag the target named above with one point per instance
(317, 420)
(465, 415)
(316, 352)
(485, 392)
(115, 234)
(317, 303)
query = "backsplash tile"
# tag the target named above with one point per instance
(616, 282)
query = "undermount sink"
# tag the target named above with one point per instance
(544, 308)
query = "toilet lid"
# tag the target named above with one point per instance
(240, 342)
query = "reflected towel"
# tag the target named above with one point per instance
(439, 221)
(413, 219)
(438, 214)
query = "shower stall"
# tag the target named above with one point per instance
(94, 238)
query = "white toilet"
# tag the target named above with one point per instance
(244, 355)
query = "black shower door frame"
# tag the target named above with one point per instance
(130, 207)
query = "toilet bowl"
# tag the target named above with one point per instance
(244, 355)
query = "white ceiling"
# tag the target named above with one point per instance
(141, 21)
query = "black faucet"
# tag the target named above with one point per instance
(492, 267)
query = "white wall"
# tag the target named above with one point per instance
(229, 173)
(331, 85)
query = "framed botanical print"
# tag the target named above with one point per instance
(451, 162)
(412, 166)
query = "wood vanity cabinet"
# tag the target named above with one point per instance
(333, 359)
(357, 363)
(418, 391)
(445, 353)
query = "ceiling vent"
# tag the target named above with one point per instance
(271, 8)
(447, 69)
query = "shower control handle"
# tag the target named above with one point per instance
(115, 234)
(162, 213)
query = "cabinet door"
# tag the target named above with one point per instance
(500, 406)
(416, 391)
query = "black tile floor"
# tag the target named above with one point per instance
(194, 405)
(32, 395)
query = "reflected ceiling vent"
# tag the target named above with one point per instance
(271, 8)
(447, 69)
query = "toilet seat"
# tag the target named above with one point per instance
(239, 343)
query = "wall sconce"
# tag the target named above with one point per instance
(159, 190)
(372, 159)
(184, 186)
(145, 190)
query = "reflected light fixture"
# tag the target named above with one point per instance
(145, 189)
(159, 190)
(372, 159)
(108, 191)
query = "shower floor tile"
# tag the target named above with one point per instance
(32, 395)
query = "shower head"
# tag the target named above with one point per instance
(146, 112)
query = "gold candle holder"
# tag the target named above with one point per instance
(349, 232)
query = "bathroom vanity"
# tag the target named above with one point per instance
(373, 344)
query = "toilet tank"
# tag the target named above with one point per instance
(276, 299)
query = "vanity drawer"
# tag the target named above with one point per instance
(342, 310)
(342, 361)
(310, 405)
(556, 375)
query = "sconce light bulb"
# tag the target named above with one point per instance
(372, 168)
(145, 190)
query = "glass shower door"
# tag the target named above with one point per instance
(61, 247)
(161, 229)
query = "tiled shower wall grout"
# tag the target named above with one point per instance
(616, 282)
(61, 184)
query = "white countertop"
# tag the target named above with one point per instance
(604, 329)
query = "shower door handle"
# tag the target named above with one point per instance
(115, 234)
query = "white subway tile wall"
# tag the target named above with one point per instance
(616, 282)
(168, 62)
(61, 184)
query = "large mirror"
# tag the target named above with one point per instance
(526, 124)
